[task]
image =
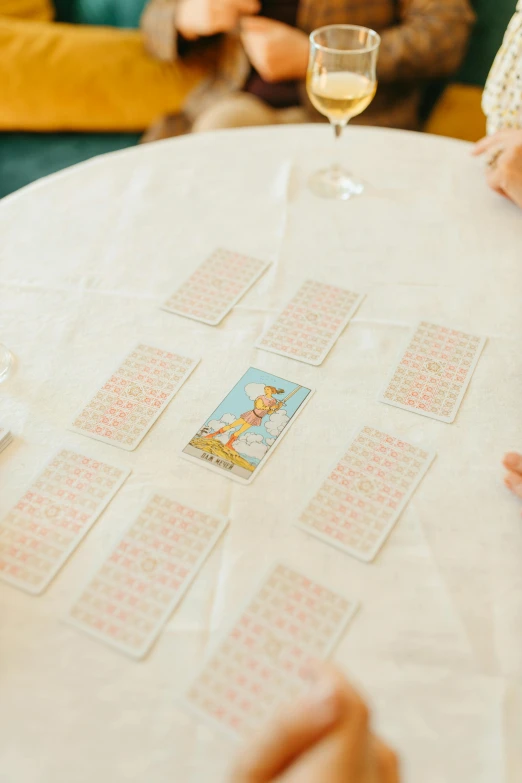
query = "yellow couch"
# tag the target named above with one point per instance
(458, 113)
(68, 93)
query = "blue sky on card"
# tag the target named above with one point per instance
(237, 401)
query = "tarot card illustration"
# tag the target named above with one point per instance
(241, 433)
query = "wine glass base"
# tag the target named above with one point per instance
(6, 361)
(335, 183)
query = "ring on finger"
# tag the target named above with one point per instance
(493, 158)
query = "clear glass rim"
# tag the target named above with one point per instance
(331, 50)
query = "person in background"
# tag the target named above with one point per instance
(324, 737)
(263, 55)
(502, 105)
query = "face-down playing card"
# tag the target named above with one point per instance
(241, 433)
(215, 287)
(311, 322)
(136, 394)
(133, 593)
(362, 497)
(51, 518)
(290, 623)
(434, 372)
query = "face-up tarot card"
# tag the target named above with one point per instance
(242, 432)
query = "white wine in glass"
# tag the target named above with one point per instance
(341, 83)
(341, 95)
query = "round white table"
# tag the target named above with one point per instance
(86, 257)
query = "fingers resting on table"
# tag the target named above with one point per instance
(513, 480)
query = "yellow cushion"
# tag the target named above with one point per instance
(59, 77)
(36, 10)
(458, 113)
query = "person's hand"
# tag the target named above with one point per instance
(324, 737)
(197, 18)
(513, 480)
(504, 163)
(277, 51)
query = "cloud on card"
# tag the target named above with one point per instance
(276, 423)
(270, 441)
(254, 390)
(251, 445)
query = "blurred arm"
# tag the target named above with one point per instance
(158, 25)
(160, 33)
(430, 40)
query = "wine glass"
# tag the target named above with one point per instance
(341, 82)
(6, 359)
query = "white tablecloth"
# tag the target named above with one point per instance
(85, 259)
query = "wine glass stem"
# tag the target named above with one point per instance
(338, 129)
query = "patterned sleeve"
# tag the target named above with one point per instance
(502, 97)
(429, 41)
